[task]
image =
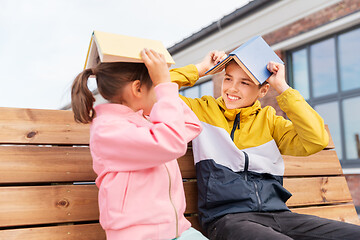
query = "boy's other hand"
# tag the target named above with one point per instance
(210, 60)
(156, 65)
(277, 79)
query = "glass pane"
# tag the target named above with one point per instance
(300, 72)
(330, 113)
(349, 58)
(352, 127)
(207, 88)
(323, 68)
(192, 92)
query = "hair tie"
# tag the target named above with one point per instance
(93, 71)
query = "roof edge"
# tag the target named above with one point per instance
(225, 21)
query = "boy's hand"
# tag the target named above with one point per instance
(210, 60)
(277, 79)
(156, 65)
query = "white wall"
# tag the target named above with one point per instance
(262, 22)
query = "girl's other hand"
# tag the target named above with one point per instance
(277, 79)
(210, 60)
(156, 65)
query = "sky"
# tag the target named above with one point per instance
(43, 43)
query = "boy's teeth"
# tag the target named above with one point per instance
(233, 98)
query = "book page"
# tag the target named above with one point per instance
(93, 57)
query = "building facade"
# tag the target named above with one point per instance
(319, 41)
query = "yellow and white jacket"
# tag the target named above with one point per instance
(238, 153)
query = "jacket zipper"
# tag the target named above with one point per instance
(246, 167)
(257, 195)
(246, 178)
(236, 124)
(176, 214)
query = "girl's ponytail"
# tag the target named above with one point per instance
(82, 99)
(111, 78)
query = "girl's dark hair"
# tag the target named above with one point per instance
(111, 79)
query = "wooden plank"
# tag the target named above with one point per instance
(317, 190)
(322, 163)
(39, 126)
(186, 164)
(66, 232)
(343, 212)
(306, 192)
(23, 164)
(33, 205)
(191, 194)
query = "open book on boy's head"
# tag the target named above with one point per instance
(110, 47)
(253, 57)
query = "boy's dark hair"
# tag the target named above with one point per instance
(233, 61)
(263, 84)
(111, 78)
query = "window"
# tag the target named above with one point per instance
(323, 67)
(327, 74)
(330, 113)
(349, 59)
(199, 90)
(300, 70)
(192, 92)
(207, 88)
(351, 127)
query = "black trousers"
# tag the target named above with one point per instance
(280, 225)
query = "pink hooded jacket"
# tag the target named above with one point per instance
(141, 193)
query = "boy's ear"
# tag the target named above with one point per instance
(136, 88)
(263, 90)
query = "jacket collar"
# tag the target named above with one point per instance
(114, 108)
(230, 114)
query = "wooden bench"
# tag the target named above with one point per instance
(47, 190)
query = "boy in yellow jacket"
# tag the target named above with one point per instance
(238, 156)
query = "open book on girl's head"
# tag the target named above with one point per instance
(110, 47)
(253, 57)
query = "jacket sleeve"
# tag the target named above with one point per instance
(186, 77)
(305, 133)
(129, 147)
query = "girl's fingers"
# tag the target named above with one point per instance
(155, 56)
(150, 56)
(150, 53)
(154, 53)
(145, 56)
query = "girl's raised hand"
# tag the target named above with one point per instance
(277, 79)
(210, 60)
(156, 65)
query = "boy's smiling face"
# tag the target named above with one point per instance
(238, 90)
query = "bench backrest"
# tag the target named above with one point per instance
(45, 167)
(47, 189)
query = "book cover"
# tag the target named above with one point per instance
(253, 57)
(110, 47)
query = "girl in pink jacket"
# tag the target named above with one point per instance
(141, 193)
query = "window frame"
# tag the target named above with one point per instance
(198, 85)
(339, 96)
